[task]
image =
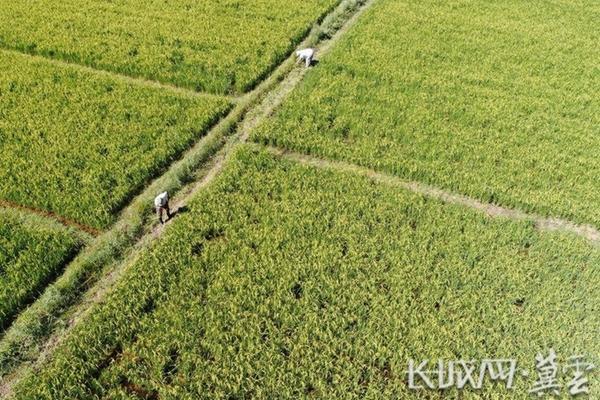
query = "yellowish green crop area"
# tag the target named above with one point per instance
(32, 252)
(497, 100)
(284, 281)
(219, 46)
(82, 144)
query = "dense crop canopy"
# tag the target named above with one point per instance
(32, 252)
(81, 144)
(282, 280)
(211, 45)
(497, 100)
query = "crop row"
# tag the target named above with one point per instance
(32, 252)
(216, 46)
(494, 100)
(283, 281)
(82, 144)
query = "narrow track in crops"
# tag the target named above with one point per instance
(50, 215)
(542, 223)
(270, 98)
(121, 77)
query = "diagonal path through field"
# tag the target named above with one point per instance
(50, 215)
(251, 109)
(121, 77)
(543, 223)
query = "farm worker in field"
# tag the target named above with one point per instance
(161, 203)
(305, 55)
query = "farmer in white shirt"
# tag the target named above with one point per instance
(161, 203)
(305, 55)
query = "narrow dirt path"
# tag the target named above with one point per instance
(50, 215)
(543, 223)
(118, 76)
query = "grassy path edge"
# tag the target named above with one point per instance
(135, 80)
(51, 217)
(587, 232)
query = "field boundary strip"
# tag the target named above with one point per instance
(587, 232)
(40, 328)
(52, 216)
(138, 81)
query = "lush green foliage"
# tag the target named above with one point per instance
(31, 253)
(282, 281)
(81, 144)
(214, 45)
(497, 100)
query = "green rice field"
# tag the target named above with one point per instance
(424, 194)
(287, 281)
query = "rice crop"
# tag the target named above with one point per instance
(81, 144)
(32, 252)
(286, 281)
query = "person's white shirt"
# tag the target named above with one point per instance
(161, 200)
(306, 55)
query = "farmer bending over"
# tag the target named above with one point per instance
(161, 203)
(305, 55)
